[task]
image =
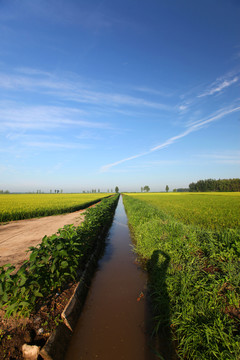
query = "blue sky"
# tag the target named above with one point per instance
(129, 93)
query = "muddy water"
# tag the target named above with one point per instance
(113, 324)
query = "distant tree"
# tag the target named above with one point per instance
(146, 188)
(99, 190)
(174, 190)
(167, 188)
(116, 189)
(215, 185)
(141, 189)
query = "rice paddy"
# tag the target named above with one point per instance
(25, 206)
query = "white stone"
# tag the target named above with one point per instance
(30, 352)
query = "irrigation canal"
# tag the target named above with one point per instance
(114, 322)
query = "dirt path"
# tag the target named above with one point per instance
(17, 236)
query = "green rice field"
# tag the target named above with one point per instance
(208, 210)
(190, 244)
(25, 206)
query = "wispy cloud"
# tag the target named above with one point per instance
(88, 135)
(107, 167)
(183, 107)
(71, 87)
(219, 85)
(15, 116)
(53, 145)
(151, 91)
(229, 157)
(194, 127)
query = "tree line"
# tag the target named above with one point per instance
(215, 185)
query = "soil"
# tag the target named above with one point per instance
(17, 236)
(34, 330)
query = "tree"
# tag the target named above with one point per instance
(116, 189)
(215, 185)
(167, 188)
(146, 188)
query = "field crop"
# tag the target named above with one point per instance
(55, 262)
(208, 210)
(25, 206)
(194, 277)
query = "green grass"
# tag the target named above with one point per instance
(208, 210)
(194, 280)
(25, 206)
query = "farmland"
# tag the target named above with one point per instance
(191, 247)
(54, 266)
(25, 206)
(208, 210)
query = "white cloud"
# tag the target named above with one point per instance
(15, 116)
(228, 157)
(71, 87)
(183, 107)
(194, 127)
(219, 86)
(107, 167)
(53, 145)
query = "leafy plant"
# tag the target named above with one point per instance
(55, 262)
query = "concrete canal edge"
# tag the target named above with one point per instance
(57, 344)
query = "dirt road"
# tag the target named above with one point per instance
(17, 236)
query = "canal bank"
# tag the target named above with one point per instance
(114, 322)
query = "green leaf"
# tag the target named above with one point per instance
(64, 264)
(53, 267)
(24, 304)
(38, 294)
(59, 247)
(5, 297)
(23, 280)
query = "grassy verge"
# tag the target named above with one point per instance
(194, 281)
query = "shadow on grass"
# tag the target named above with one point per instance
(157, 268)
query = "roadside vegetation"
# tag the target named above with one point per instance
(53, 264)
(26, 206)
(193, 267)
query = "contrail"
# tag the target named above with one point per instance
(194, 127)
